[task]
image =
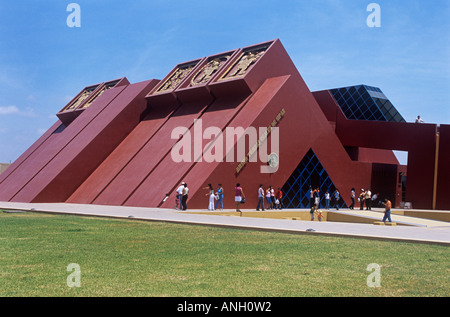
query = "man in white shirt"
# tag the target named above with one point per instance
(374, 200)
(368, 199)
(184, 197)
(179, 192)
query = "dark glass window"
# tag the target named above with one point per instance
(363, 102)
(309, 172)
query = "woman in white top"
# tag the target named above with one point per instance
(269, 197)
(327, 200)
(211, 197)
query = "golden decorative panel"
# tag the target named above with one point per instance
(208, 70)
(81, 98)
(243, 63)
(106, 87)
(176, 77)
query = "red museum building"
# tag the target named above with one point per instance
(113, 143)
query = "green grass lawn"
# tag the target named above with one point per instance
(138, 258)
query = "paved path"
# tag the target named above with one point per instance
(436, 232)
(377, 215)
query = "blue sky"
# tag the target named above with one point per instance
(44, 63)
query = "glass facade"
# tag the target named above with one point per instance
(364, 102)
(360, 102)
(309, 172)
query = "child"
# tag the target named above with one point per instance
(319, 215)
(312, 211)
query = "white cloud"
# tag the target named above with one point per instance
(9, 110)
(14, 110)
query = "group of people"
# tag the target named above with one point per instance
(181, 197)
(218, 195)
(315, 211)
(314, 196)
(365, 198)
(215, 198)
(274, 199)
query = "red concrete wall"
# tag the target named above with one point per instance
(385, 182)
(315, 132)
(199, 172)
(418, 139)
(30, 151)
(377, 156)
(443, 179)
(329, 107)
(304, 126)
(123, 185)
(123, 154)
(39, 159)
(153, 189)
(140, 171)
(89, 139)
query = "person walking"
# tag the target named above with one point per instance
(387, 210)
(219, 197)
(327, 200)
(352, 197)
(337, 196)
(184, 197)
(179, 193)
(239, 196)
(260, 198)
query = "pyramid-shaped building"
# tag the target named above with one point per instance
(243, 116)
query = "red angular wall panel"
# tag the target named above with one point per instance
(84, 144)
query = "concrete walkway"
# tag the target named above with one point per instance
(425, 231)
(377, 215)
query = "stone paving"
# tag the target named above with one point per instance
(418, 229)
